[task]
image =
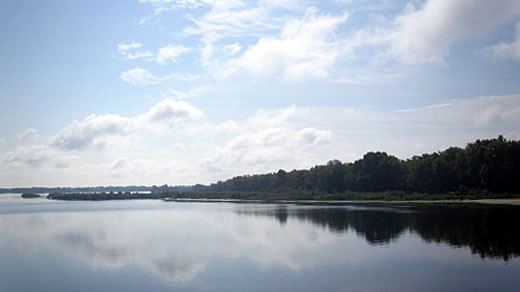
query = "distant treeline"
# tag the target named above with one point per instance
(97, 189)
(487, 166)
(42, 190)
(103, 196)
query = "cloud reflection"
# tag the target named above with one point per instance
(181, 243)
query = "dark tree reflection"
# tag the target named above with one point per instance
(487, 230)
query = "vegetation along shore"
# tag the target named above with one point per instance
(484, 169)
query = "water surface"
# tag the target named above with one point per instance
(164, 246)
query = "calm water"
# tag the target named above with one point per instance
(164, 246)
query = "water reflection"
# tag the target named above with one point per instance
(190, 246)
(486, 230)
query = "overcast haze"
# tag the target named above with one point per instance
(195, 91)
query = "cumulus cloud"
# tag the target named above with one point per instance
(269, 140)
(169, 111)
(120, 163)
(267, 148)
(496, 111)
(275, 137)
(426, 34)
(140, 76)
(37, 157)
(306, 47)
(86, 133)
(121, 167)
(303, 43)
(27, 135)
(314, 136)
(170, 140)
(91, 131)
(299, 137)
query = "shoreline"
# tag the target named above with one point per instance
(509, 202)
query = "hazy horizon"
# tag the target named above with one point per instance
(194, 184)
(181, 92)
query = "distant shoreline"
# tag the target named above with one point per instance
(287, 198)
(511, 202)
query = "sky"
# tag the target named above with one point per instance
(178, 92)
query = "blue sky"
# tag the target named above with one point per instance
(189, 91)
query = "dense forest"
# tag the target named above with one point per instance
(491, 166)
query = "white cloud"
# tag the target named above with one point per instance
(500, 113)
(171, 142)
(287, 38)
(269, 148)
(92, 131)
(167, 54)
(185, 94)
(27, 135)
(314, 136)
(140, 76)
(125, 47)
(425, 35)
(268, 141)
(39, 156)
(232, 49)
(225, 126)
(306, 47)
(170, 111)
(506, 50)
(175, 4)
(300, 137)
(170, 53)
(140, 55)
(230, 19)
(128, 50)
(120, 163)
(84, 134)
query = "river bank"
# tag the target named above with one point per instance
(512, 202)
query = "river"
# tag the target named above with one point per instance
(151, 245)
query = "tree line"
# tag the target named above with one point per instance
(490, 165)
(99, 189)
